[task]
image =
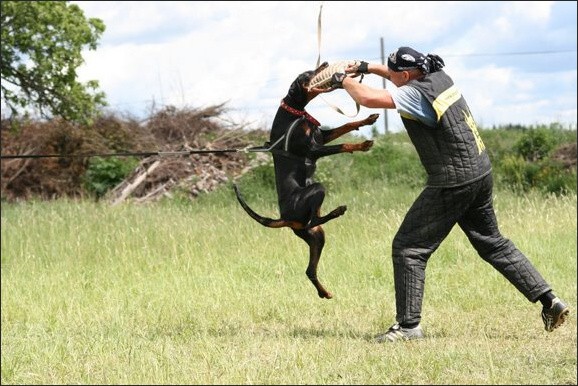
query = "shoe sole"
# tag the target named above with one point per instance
(391, 338)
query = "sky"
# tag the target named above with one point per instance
(514, 61)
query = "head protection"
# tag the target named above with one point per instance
(406, 58)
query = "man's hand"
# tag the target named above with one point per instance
(337, 80)
(359, 67)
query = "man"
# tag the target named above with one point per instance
(458, 191)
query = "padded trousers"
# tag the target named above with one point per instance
(428, 222)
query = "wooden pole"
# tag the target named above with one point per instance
(385, 123)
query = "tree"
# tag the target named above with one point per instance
(41, 50)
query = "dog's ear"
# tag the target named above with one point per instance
(298, 90)
(305, 77)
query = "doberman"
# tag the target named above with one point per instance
(296, 142)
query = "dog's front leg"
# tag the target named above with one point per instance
(315, 239)
(330, 135)
(323, 151)
(362, 146)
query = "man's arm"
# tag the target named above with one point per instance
(368, 96)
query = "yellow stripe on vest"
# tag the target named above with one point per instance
(445, 100)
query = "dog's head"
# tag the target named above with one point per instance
(298, 91)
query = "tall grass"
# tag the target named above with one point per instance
(198, 293)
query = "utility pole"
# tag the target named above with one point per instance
(383, 80)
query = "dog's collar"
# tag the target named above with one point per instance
(300, 113)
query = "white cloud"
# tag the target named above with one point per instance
(201, 53)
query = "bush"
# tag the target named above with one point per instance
(391, 160)
(552, 177)
(259, 184)
(536, 145)
(104, 174)
(546, 175)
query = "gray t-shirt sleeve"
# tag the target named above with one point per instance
(410, 103)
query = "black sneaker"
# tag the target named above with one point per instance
(554, 316)
(397, 333)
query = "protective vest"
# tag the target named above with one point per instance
(452, 152)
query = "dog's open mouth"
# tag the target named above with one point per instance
(323, 74)
(314, 73)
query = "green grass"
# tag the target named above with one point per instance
(198, 293)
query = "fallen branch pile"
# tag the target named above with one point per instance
(158, 176)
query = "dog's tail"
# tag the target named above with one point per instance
(265, 221)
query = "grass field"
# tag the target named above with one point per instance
(198, 293)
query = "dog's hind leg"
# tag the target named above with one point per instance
(310, 200)
(316, 221)
(315, 239)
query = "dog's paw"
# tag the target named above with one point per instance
(366, 145)
(370, 120)
(340, 210)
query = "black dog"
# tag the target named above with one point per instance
(296, 142)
